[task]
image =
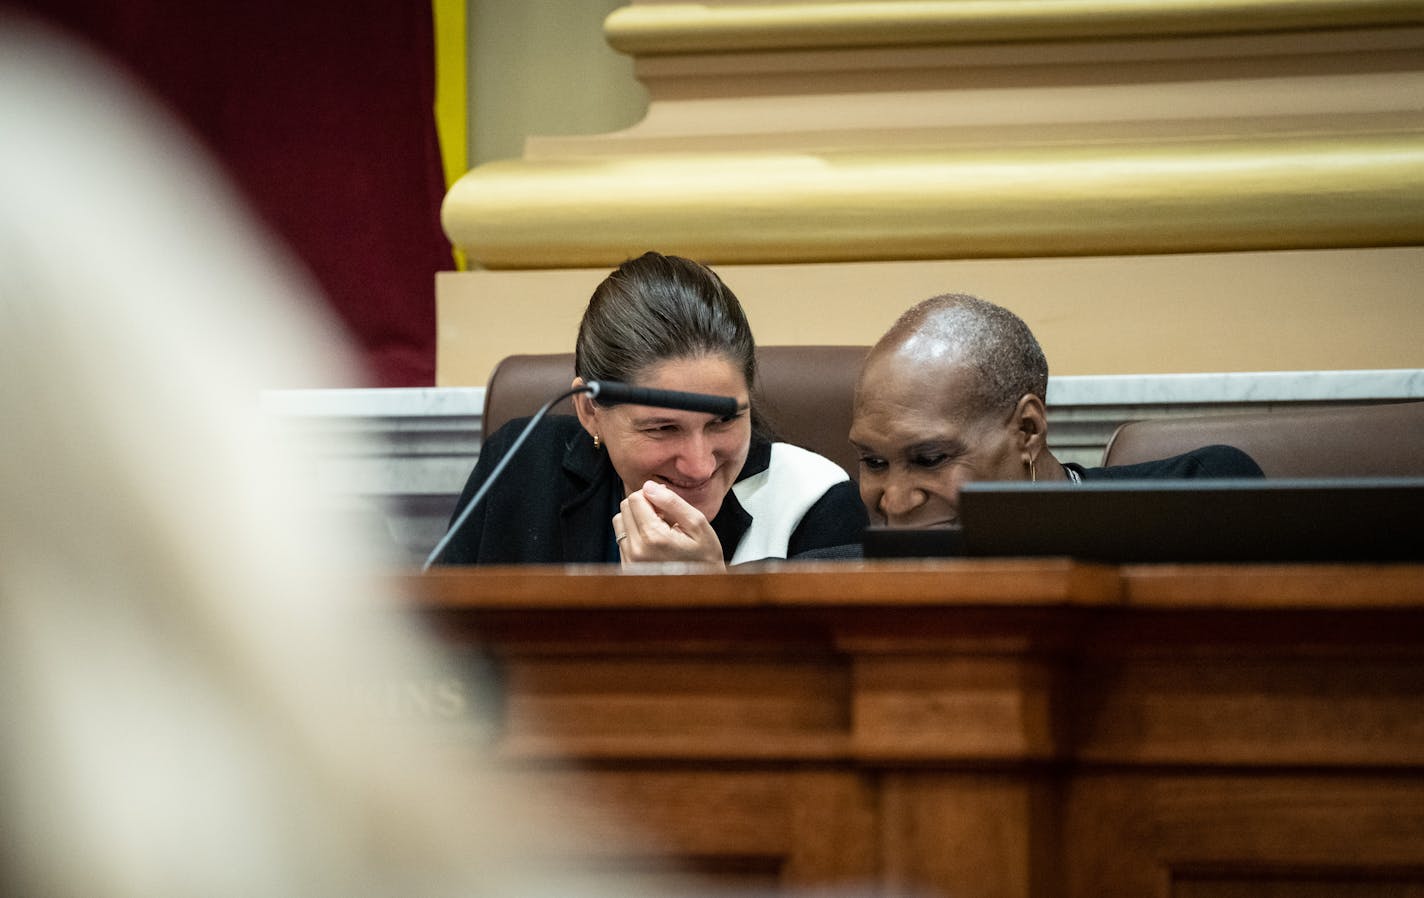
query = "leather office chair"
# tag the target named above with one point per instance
(1343, 441)
(806, 393)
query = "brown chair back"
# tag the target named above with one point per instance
(1341, 441)
(806, 393)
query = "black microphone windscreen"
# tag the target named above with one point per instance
(613, 393)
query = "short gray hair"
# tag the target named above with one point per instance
(992, 341)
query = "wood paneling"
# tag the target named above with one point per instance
(1142, 833)
(1039, 729)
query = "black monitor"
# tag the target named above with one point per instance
(1356, 519)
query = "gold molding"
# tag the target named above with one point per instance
(901, 205)
(650, 29)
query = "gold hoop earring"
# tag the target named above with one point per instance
(1032, 470)
(597, 443)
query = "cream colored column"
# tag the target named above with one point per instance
(1174, 185)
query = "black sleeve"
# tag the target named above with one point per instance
(464, 548)
(837, 519)
(1225, 461)
(1208, 461)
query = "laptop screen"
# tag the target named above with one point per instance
(1356, 519)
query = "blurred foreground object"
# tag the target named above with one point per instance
(190, 650)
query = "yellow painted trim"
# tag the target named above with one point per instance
(898, 205)
(451, 96)
(647, 29)
(451, 93)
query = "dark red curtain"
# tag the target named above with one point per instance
(322, 113)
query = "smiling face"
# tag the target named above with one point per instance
(918, 442)
(697, 455)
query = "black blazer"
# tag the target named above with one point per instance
(1208, 461)
(555, 502)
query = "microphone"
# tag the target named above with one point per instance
(611, 393)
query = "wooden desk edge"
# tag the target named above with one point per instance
(992, 582)
(1009, 582)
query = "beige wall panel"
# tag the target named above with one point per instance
(1268, 311)
(1328, 82)
(839, 161)
(543, 67)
